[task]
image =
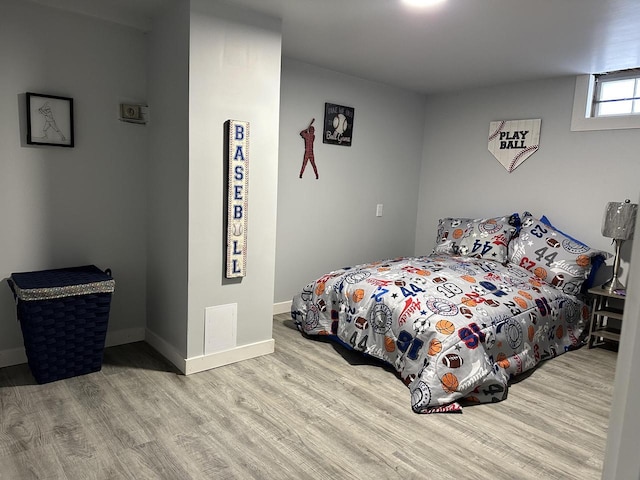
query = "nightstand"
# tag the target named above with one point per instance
(606, 306)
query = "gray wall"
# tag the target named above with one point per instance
(204, 60)
(234, 74)
(331, 222)
(168, 178)
(570, 178)
(145, 201)
(72, 206)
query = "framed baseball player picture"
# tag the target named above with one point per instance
(49, 120)
(338, 124)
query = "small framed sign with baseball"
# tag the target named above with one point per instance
(338, 124)
(513, 141)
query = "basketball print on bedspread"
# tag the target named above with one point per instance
(454, 328)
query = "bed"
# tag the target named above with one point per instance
(495, 298)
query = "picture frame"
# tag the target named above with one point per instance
(338, 124)
(49, 120)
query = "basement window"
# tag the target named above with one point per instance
(617, 93)
(607, 101)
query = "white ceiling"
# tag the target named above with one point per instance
(455, 45)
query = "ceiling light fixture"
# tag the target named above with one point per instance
(422, 3)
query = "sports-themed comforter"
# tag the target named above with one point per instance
(453, 327)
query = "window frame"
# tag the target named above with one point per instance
(603, 78)
(581, 119)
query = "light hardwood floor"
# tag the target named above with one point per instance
(311, 410)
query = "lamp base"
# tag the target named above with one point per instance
(613, 284)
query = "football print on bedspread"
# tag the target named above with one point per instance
(452, 327)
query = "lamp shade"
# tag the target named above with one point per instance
(619, 220)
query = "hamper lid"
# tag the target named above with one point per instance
(61, 282)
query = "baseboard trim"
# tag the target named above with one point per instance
(282, 307)
(165, 349)
(124, 336)
(12, 356)
(16, 356)
(226, 357)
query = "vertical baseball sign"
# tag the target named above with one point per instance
(237, 196)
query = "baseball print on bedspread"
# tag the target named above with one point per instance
(454, 328)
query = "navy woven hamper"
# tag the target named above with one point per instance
(63, 314)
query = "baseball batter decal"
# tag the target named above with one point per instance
(513, 141)
(237, 196)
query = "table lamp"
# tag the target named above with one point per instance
(618, 223)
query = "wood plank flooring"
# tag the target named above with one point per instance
(311, 410)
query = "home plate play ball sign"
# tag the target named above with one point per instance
(513, 141)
